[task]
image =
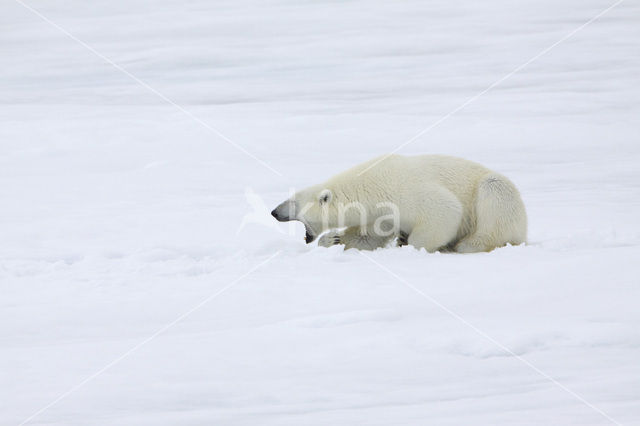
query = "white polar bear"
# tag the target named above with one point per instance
(431, 201)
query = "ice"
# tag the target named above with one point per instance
(122, 213)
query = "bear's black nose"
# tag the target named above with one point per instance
(274, 213)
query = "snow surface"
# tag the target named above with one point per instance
(120, 214)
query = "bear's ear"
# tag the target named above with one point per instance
(325, 196)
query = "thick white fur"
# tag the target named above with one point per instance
(445, 203)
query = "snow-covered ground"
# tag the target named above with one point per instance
(131, 297)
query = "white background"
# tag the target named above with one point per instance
(120, 213)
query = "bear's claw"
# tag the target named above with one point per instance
(403, 239)
(329, 240)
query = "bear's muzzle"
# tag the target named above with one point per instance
(279, 218)
(285, 211)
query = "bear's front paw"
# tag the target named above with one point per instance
(329, 239)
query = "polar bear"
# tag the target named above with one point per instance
(435, 202)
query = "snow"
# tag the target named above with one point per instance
(130, 296)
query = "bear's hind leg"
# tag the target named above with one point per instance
(500, 216)
(474, 244)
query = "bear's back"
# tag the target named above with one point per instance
(399, 175)
(449, 171)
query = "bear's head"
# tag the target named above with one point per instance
(319, 208)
